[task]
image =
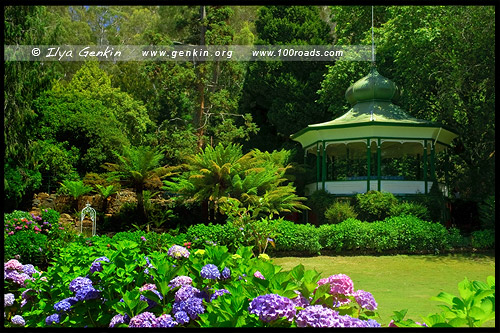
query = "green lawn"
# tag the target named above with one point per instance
(402, 281)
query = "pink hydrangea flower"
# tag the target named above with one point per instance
(14, 265)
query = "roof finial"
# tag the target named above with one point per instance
(373, 44)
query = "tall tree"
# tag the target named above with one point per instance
(280, 95)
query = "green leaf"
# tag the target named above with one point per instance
(457, 322)
(444, 297)
(399, 315)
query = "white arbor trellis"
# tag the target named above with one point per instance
(91, 211)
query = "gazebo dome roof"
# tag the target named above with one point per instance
(372, 87)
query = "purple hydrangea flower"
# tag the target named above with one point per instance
(119, 319)
(18, 320)
(210, 271)
(96, 264)
(317, 316)
(271, 307)
(145, 319)
(177, 252)
(300, 300)
(8, 299)
(165, 320)
(78, 283)
(181, 280)
(29, 269)
(13, 264)
(348, 321)
(143, 238)
(20, 278)
(259, 275)
(53, 319)
(185, 292)
(218, 293)
(148, 286)
(86, 293)
(181, 317)
(226, 273)
(365, 299)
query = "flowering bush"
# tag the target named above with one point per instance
(118, 286)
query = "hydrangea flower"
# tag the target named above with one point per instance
(151, 303)
(18, 320)
(259, 275)
(29, 269)
(372, 323)
(181, 317)
(340, 284)
(218, 293)
(119, 319)
(226, 273)
(365, 299)
(270, 307)
(78, 283)
(348, 321)
(53, 319)
(181, 280)
(65, 304)
(86, 293)
(317, 316)
(20, 278)
(8, 299)
(185, 292)
(165, 320)
(300, 300)
(210, 271)
(145, 319)
(177, 252)
(192, 306)
(96, 264)
(13, 264)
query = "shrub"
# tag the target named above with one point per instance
(319, 202)
(28, 246)
(456, 240)
(50, 215)
(374, 205)
(483, 239)
(405, 234)
(410, 208)
(297, 237)
(227, 235)
(340, 211)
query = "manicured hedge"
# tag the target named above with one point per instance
(297, 237)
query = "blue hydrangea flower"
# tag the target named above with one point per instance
(210, 271)
(165, 320)
(97, 265)
(8, 299)
(373, 323)
(53, 319)
(348, 321)
(192, 306)
(119, 319)
(271, 307)
(181, 317)
(317, 316)
(18, 320)
(365, 299)
(86, 293)
(145, 319)
(226, 273)
(181, 280)
(218, 293)
(78, 283)
(29, 269)
(65, 304)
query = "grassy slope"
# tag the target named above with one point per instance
(402, 281)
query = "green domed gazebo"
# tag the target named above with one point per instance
(376, 145)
